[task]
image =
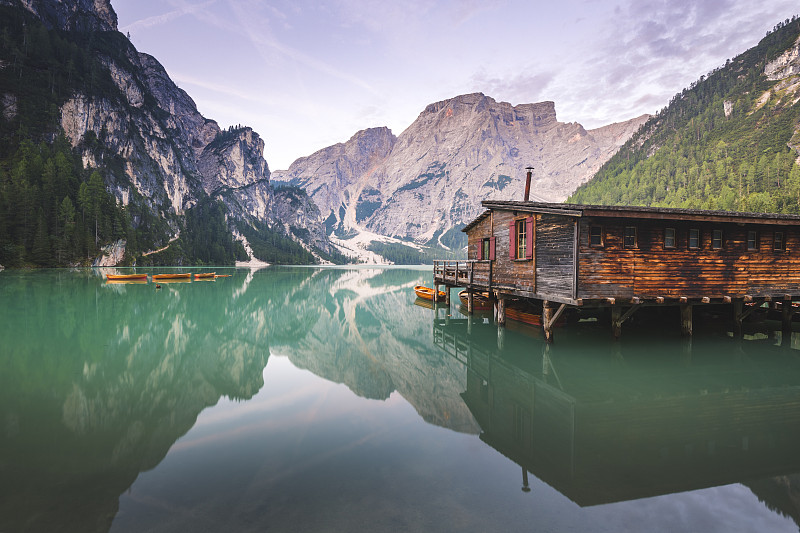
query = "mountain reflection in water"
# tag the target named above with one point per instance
(101, 380)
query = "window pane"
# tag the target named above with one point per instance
(485, 254)
(716, 239)
(669, 238)
(777, 243)
(752, 240)
(629, 240)
(694, 238)
(596, 236)
(521, 237)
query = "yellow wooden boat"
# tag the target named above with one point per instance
(426, 293)
(126, 277)
(205, 275)
(161, 277)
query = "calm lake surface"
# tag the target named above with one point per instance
(329, 399)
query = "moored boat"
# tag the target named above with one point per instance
(426, 293)
(126, 277)
(172, 276)
(530, 316)
(480, 300)
(205, 275)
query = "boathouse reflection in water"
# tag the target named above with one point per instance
(614, 428)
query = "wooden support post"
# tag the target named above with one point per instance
(470, 301)
(435, 293)
(501, 311)
(738, 307)
(686, 320)
(447, 294)
(786, 320)
(501, 338)
(616, 325)
(547, 317)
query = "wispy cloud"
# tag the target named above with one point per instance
(159, 20)
(257, 31)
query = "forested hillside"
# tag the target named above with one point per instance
(727, 142)
(127, 170)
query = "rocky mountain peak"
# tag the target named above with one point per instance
(72, 15)
(457, 152)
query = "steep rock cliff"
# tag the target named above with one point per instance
(458, 152)
(147, 135)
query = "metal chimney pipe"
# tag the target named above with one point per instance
(528, 183)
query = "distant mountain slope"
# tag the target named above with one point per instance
(167, 177)
(730, 141)
(428, 182)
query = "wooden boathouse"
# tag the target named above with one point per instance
(564, 256)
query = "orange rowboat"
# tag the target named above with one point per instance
(426, 293)
(480, 300)
(171, 276)
(205, 275)
(126, 277)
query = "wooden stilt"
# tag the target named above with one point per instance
(435, 293)
(470, 302)
(738, 307)
(616, 324)
(447, 294)
(686, 320)
(786, 319)
(547, 321)
(501, 312)
(501, 338)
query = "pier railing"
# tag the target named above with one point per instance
(476, 273)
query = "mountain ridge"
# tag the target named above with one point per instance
(457, 152)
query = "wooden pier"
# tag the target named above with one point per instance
(561, 258)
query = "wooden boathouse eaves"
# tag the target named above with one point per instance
(612, 256)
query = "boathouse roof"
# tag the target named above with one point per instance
(663, 213)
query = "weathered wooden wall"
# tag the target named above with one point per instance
(518, 274)
(555, 266)
(650, 270)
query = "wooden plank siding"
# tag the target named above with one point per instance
(565, 267)
(555, 270)
(650, 270)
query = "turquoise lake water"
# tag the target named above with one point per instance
(331, 399)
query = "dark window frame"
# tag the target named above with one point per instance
(674, 239)
(778, 243)
(599, 236)
(717, 239)
(754, 246)
(698, 243)
(630, 242)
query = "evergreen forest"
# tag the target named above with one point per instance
(54, 210)
(728, 142)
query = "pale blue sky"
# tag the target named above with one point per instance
(306, 75)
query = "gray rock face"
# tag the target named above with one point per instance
(334, 173)
(170, 154)
(71, 15)
(458, 152)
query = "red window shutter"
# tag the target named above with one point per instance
(529, 238)
(480, 249)
(492, 248)
(512, 241)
